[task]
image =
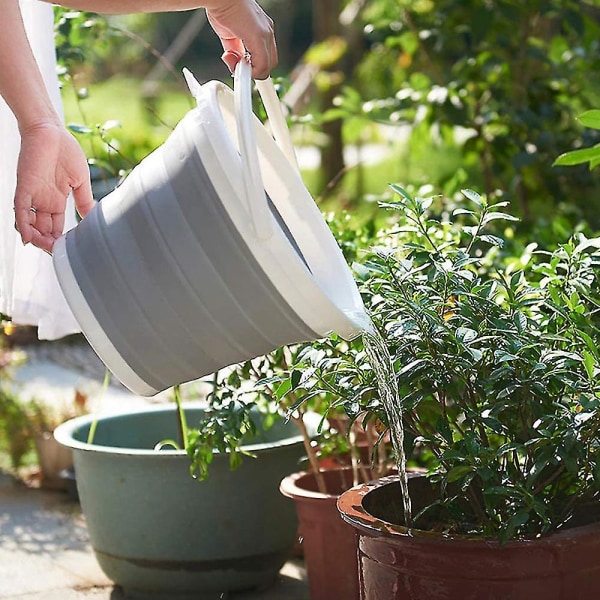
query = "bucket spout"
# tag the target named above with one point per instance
(361, 323)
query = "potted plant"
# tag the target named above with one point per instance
(339, 457)
(15, 438)
(328, 543)
(14, 435)
(171, 507)
(43, 417)
(492, 377)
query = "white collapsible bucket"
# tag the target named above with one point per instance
(210, 253)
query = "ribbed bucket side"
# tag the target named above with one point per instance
(170, 279)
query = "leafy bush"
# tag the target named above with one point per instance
(511, 76)
(496, 368)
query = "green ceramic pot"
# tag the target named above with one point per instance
(155, 529)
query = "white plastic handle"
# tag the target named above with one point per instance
(254, 189)
(256, 199)
(279, 127)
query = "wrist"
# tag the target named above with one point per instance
(39, 123)
(37, 118)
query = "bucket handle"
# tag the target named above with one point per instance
(253, 184)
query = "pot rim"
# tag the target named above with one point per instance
(350, 506)
(64, 434)
(289, 486)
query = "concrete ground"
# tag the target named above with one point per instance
(45, 552)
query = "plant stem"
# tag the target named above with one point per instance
(181, 420)
(94, 425)
(310, 452)
(549, 480)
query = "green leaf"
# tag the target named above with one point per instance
(362, 272)
(497, 490)
(463, 211)
(474, 197)
(424, 203)
(283, 389)
(459, 472)
(596, 474)
(589, 362)
(475, 353)
(412, 366)
(465, 334)
(520, 321)
(111, 124)
(518, 519)
(589, 342)
(577, 157)
(295, 378)
(493, 240)
(401, 191)
(76, 128)
(503, 356)
(443, 428)
(492, 216)
(590, 118)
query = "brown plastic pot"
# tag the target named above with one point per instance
(329, 544)
(397, 565)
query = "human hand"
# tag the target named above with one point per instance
(243, 27)
(51, 165)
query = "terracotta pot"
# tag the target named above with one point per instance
(329, 544)
(54, 458)
(397, 565)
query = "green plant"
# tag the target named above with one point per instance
(45, 416)
(261, 386)
(500, 82)
(496, 367)
(591, 119)
(15, 432)
(230, 416)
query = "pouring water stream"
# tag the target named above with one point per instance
(383, 366)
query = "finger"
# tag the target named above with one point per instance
(84, 199)
(231, 58)
(58, 225)
(24, 217)
(233, 45)
(43, 223)
(44, 242)
(263, 57)
(263, 49)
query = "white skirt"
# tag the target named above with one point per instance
(29, 290)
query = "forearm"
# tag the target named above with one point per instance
(21, 84)
(242, 25)
(115, 7)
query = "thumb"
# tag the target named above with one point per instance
(84, 200)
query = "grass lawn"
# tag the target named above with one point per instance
(144, 124)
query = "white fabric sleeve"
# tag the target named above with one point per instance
(29, 290)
